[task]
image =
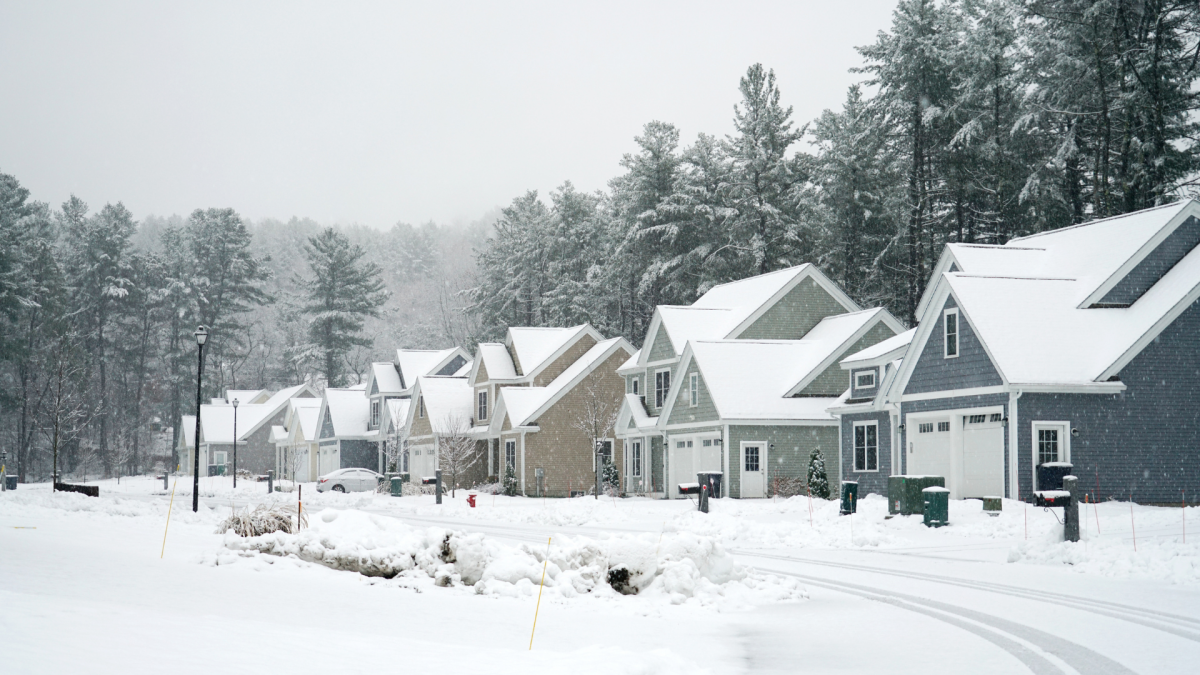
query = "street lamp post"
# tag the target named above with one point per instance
(201, 337)
(235, 402)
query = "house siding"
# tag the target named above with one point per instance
(557, 366)
(864, 392)
(972, 368)
(788, 458)
(868, 481)
(1144, 442)
(794, 314)
(359, 454)
(682, 412)
(661, 349)
(1159, 261)
(832, 382)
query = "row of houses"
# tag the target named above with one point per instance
(1078, 345)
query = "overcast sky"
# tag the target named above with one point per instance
(378, 112)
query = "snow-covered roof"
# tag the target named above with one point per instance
(448, 402)
(302, 418)
(631, 362)
(464, 370)
(638, 412)
(883, 351)
(349, 410)
(698, 323)
(534, 345)
(278, 433)
(1033, 311)
(498, 362)
(750, 379)
(751, 292)
(414, 363)
(386, 378)
(398, 411)
(187, 430)
(245, 396)
(522, 405)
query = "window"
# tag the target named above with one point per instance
(375, 414)
(693, 389)
(976, 419)
(866, 446)
(996, 417)
(750, 455)
(951, 328)
(708, 442)
(662, 386)
(943, 426)
(421, 407)
(633, 383)
(483, 405)
(604, 450)
(1047, 440)
(865, 380)
(510, 455)
(680, 444)
(635, 459)
(925, 427)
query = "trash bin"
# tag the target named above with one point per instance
(10, 482)
(937, 506)
(1050, 475)
(849, 497)
(713, 480)
(397, 486)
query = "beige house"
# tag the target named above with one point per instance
(440, 408)
(556, 394)
(296, 441)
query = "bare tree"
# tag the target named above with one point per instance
(457, 451)
(66, 408)
(596, 418)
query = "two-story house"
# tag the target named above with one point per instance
(251, 421)
(440, 408)
(1077, 345)
(740, 381)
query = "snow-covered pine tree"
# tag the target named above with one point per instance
(818, 481)
(611, 477)
(342, 292)
(510, 481)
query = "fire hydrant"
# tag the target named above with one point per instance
(471, 499)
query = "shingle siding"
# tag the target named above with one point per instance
(789, 456)
(972, 368)
(359, 454)
(868, 481)
(863, 392)
(832, 382)
(1152, 268)
(661, 349)
(795, 314)
(1144, 442)
(682, 412)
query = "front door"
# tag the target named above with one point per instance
(983, 456)
(754, 470)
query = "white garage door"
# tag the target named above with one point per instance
(689, 455)
(983, 456)
(929, 447)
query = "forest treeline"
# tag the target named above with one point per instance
(978, 121)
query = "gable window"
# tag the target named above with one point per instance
(421, 407)
(633, 383)
(864, 380)
(510, 455)
(866, 446)
(950, 326)
(693, 389)
(483, 405)
(662, 385)
(375, 414)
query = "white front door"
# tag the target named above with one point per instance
(983, 456)
(929, 447)
(754, 470)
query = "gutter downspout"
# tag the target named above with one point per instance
(1014, 475)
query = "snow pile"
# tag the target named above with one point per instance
(1155, 559)
(683, 567)
(44, 502)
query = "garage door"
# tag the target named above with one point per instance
(929, 447)
(983, 456)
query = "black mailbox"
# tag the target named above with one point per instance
(429, 480)
(689, 488)
(1049, 498)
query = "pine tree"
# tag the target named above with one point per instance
(510, 481)
(818, 482)
(342, 292)
(611, 477)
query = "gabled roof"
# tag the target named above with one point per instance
(448, 403)
(882, 352)
(537, 347)
(630, 363)
(384, 378)
(414, 363)
(218, 421)
(833, 336)
(1033, 312)
(301, 419)
(632, 409)
(523, 405)
(187, 430)
(349, 410)
(397, 409)
(245, 396)
(494, 357)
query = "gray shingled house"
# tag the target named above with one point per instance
(1077, 345)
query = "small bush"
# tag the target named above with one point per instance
(263, 519)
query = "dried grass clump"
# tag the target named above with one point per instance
(264, 519)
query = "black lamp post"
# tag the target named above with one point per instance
(201, 337)
(235, 402)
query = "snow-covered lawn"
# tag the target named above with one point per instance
(380, 582)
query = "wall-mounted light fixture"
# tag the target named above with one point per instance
(1074, 432)
(1004, 421)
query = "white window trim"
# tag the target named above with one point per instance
(1064, 440)
(762, 459)
(659, 405)
(854, 447)
(375, 406)
(858, 379)
(612, 449)
(635, 385)
(637, 455)
(481, 404)
(693, 390)
(957, 334)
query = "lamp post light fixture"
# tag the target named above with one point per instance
(201, 337)
(235, 402)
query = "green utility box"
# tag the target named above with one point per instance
(937, 506)
(993, 506)
(849, 497)
(397, 486)
(904, 493)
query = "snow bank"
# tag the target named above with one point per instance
(684, 567)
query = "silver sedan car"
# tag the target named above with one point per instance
(348, 480)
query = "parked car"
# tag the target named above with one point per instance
(348, 480)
